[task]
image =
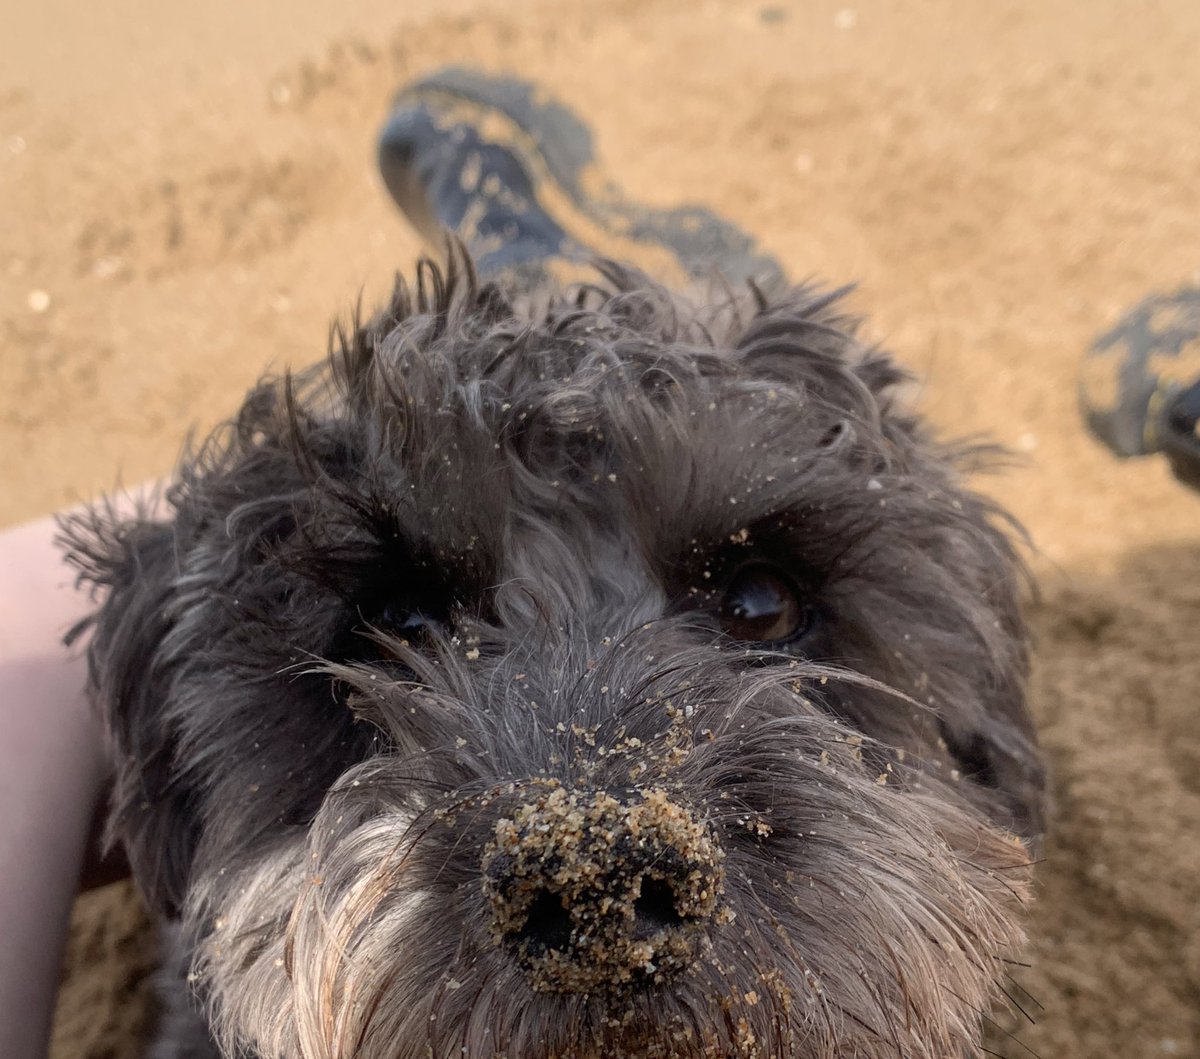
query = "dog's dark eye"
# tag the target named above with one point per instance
(407, 623)
(400, 619)
(761, 605)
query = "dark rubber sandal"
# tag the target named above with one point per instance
(491, 160)
(1181, 434)
(1140, 386)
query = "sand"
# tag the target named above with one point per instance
(188, 198)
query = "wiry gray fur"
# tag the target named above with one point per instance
(568, 489)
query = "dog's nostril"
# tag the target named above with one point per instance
(547, 926)
(654, 910)
(593, 894)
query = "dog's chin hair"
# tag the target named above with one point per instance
(304, 956)
(271, 955)
(240, 965)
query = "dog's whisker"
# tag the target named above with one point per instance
(1011, 1036)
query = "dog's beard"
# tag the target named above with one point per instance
(871, 912)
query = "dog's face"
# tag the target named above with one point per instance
(623, 679)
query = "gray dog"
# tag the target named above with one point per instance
(566, 674)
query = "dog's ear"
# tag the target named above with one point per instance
(130, 562)
(993, 744)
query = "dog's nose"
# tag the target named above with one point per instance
(592, 893)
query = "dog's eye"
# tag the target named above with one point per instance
(360, 641)
(761, 605)
(407, 623)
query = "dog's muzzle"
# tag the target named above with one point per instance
(593, 894)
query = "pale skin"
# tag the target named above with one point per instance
(52, 773)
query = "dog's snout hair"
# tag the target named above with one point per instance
(620, 675)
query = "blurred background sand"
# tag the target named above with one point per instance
(187, 196)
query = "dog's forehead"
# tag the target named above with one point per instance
(615, 421)
(634, 429)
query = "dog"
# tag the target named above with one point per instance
(593, 672)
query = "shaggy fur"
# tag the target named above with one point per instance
(480, 557)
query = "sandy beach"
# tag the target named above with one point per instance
(188, 198)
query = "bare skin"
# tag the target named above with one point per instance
(52, 772)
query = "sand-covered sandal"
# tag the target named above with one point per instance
(1140, 385)
(514, 175)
